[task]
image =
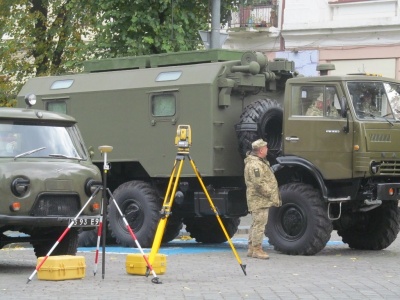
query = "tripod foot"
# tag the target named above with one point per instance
(243, 269)
(156, 280)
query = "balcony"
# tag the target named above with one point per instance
(260, 16)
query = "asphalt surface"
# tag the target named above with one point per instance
(196, 271)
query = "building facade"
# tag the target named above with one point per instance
(358, 36)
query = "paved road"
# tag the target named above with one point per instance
(337, 272)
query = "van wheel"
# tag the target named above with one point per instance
(67, 246)
(208, 230)
(301, 225)
(375, 229)
(141, 206)
(268, 115)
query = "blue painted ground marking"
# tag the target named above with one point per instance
(187, 247)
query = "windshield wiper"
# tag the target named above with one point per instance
(29, 152)
(66, 156)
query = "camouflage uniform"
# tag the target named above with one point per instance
(315, 109)
(367, 108)
(262, 192)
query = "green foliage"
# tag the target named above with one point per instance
(7, 92)
(42, 37)
(141, 27)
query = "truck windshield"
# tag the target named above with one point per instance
(40, 141)
(374, 100)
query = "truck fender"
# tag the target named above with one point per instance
(301, 162)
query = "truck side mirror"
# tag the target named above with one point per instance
(344, 113)
(343, 107)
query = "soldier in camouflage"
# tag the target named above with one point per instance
(316, 108)
(262, 192)
(367, 106)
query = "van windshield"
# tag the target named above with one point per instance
(32, 140)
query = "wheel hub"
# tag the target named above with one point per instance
(293, 222)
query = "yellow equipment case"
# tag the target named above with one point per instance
(62, 267)
(136, 264)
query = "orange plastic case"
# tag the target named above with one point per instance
(136, 264)
(62, 267)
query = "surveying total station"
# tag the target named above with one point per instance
(183, 140)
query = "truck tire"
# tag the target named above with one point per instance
(208, 230)
(172, 229)
(141, 206)
(88, 238)
(268, 114)
(67, 246)
(301, 225)
(375, 230)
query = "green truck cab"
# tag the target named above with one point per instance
(46, 178)
(336, 164)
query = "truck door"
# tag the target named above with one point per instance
(314, 129)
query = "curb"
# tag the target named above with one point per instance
(241, 230)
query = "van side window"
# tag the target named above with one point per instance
(163, 105)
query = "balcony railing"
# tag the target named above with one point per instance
(255, 16)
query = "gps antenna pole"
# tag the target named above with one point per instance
(104, 150)
(99, 233)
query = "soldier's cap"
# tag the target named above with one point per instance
(258, 144)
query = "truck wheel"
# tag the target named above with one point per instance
(88, 238)
(140, 205)
(172, 230)
(301, 225)
(208, 230)
(67, 246)
(375, 230)
(268, 114)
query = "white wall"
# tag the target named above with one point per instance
(324, 23)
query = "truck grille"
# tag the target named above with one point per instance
(56, 205)
(390, 167)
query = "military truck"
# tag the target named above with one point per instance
(46, 179)
(337, 164)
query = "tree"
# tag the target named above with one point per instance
(42, 37)
(141, 27)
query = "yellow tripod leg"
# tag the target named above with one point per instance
(217, 215)
(166, 210)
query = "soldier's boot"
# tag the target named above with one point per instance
(258, 252)
(250, 250)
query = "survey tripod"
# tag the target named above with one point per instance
(183, 140)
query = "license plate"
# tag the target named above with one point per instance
(85, 222)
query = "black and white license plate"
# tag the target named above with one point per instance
(85, 221)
